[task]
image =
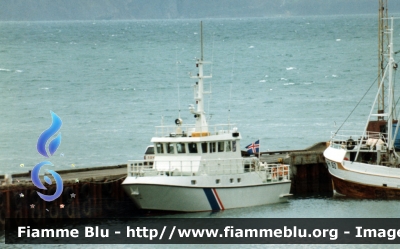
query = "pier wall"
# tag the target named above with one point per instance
(309, 173)
(99, 195)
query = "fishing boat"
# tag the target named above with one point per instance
(365, 164)
(200, 167)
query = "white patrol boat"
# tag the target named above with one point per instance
(200, 168)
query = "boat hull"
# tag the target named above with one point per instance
(196, 199)
(362, 180)
(364, 191)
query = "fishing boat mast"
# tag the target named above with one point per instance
(392, 111)
(388, 76)
(383, 46)
(386, 68)
(386, 114)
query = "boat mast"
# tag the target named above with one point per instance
(383, 45)
(201, 122)
(392, 66)
(386, 59)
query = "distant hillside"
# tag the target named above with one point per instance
(32, 10)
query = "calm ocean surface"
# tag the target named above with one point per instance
(286, 81)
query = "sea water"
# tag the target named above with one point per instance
(286, 81)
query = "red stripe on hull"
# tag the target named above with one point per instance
(364, 191)
(218, 199)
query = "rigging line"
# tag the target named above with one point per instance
(397, 114)
(212, 53)
(394, 104)
(209, 102)
(177, 82)
(394, 86)
(212, 64)
(229, 110)
(230, 92)
(356, 106)
(233, 64)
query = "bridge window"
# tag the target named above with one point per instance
(170, 148)
(192, 147)
(204, 147)
(212, 147)
(160, 148)
(180, 148)
(233, 146)
(228, 146)
(220, 146)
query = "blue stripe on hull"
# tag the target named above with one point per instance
(211, 199)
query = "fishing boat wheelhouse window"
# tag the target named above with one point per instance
(180, 148)
(204, 147)
(233, 146)
(221, 146)
(192, 147)
(170, 148)
(159, 148)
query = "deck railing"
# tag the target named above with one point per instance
(268, 172)
(352, 140)
(188, 130)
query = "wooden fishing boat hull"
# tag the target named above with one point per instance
(362, 180)
(364, 191)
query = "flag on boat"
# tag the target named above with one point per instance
(253, 147)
